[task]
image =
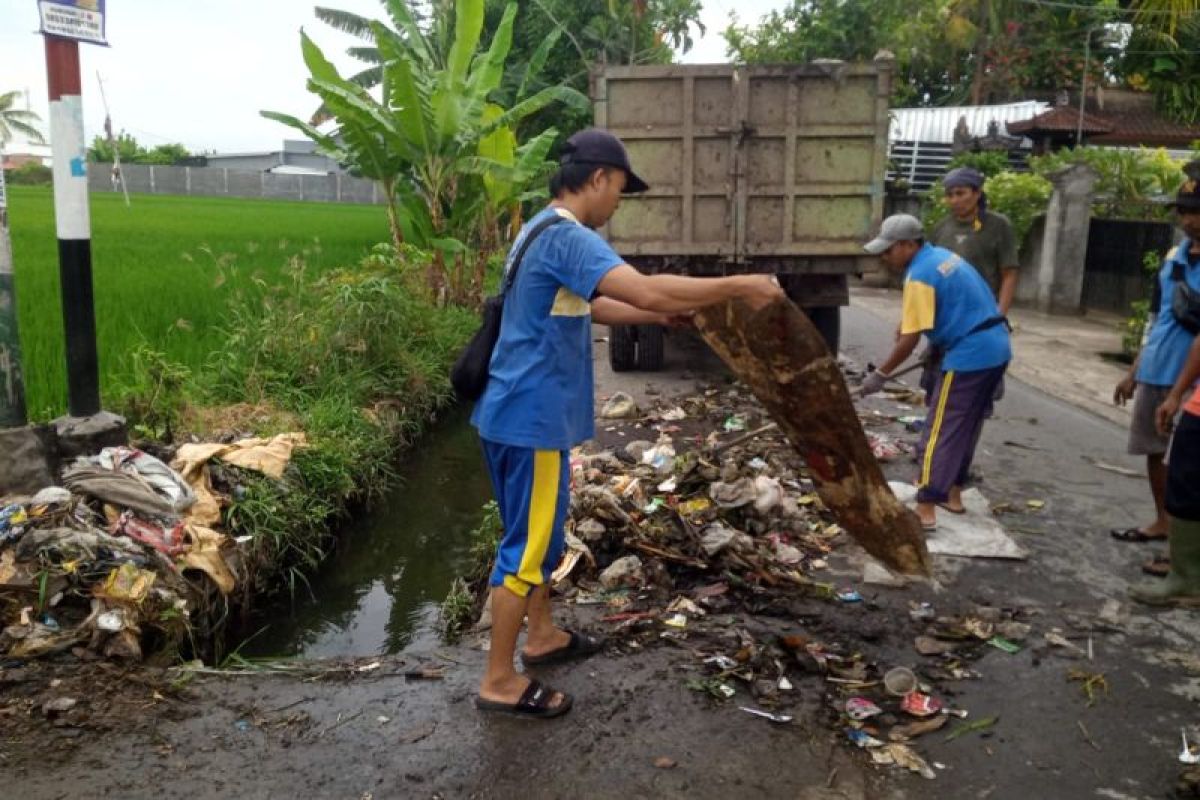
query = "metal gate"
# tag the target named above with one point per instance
(1113, 274)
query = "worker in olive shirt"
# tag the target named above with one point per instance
(538, 403)
(984, 238)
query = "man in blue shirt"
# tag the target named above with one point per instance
(949, 302)
(1159, 363)
(539, 398)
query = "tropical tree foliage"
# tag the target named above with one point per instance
(15, 120)
(555, 42)
(1165, 60)
(445, 151)
(130, 151)
(947, 51)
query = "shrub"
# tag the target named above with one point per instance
(1132, 184)
(30, 173)
(989, 162)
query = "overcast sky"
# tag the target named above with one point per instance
(198, 73)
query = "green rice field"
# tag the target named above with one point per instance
(163, 271)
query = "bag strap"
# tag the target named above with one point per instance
(534, 232)
(987, 324)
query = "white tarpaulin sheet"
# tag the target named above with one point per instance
(975, 534)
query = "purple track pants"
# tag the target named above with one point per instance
(960, 402)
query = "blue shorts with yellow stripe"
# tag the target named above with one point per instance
(533, 491)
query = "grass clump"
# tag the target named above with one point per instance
(462, 604)
(360, 358)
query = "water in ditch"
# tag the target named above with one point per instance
(381, 590)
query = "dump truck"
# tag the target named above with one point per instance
(775, 169)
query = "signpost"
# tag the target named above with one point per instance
(76, 20)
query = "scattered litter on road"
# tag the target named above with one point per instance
(778, 718)
(920, 705)
(984, 724)
(1092, 684)
(1189, 754)
(1000, 643)
(860, 708)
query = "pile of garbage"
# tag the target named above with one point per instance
(127, 556)
(696, 525)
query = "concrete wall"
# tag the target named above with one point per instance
(220, 182)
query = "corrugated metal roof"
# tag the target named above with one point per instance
(937, 124)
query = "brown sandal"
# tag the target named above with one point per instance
(1158, 566)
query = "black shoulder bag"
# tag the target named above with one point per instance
(1185, 302)
(469, 375)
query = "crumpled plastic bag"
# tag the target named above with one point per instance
(620, 406)
(127, 583)
(736, 494)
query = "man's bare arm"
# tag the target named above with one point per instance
(674, 294)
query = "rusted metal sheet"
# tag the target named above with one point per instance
(750, 164)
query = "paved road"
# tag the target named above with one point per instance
(1039, 749)
(1040, 448)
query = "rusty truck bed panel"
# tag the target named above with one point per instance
(750, 165)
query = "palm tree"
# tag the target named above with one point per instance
(14, 120)
(1165, 15)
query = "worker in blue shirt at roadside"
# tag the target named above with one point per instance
(538, 403)
(1159, 364)
(948, 301)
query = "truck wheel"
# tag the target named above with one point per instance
(828, 322)
(621, 348)
(649, 348)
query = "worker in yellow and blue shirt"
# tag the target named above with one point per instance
(946, 300)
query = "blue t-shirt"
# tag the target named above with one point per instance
(945, 298)
(539, 390)
(1167, 347)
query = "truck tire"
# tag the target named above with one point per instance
(621, 348)
(649, 348)
(828, 322)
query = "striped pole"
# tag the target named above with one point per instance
(74, 226)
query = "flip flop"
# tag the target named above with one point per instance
(929, 527)
(1136, 535)
(534, 703)
(1158, 566)
(946, 506)
(581, 645)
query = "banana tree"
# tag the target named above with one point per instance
(444, 150)
(367, 137)
(460, 143)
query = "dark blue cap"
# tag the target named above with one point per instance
(594, 146)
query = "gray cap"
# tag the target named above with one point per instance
(896, 228)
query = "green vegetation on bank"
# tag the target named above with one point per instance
(358, 358)
(164, 271)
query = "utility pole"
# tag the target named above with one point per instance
(65, 23)
(1087, 58)
(117, 174)
(74, 225)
